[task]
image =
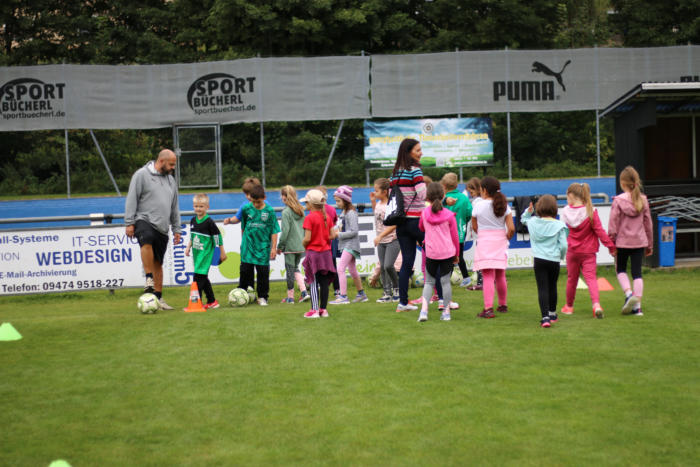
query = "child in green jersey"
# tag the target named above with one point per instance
(259, 243)
(205, 237)
(463, 214)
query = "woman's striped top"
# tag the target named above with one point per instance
(412, 187)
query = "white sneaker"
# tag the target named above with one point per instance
(164, 306)
(150, 286)
(423, 317)
(407, 307)
(454, 306)
(262, 302)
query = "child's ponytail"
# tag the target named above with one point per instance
(630, 181)
(434, 194)
(493, 188)
(582, 191)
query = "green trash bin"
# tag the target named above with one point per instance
(667, 241)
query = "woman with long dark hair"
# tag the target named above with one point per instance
(408, 176)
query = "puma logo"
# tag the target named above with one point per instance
(538, 67)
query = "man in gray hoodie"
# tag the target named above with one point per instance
(151, 209)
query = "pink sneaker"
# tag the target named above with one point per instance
(312, 314)
(417, 301)
(598, 311)
(434, 298)
(567, 310)
(323, 313)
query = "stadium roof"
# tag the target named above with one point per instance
(671, 99)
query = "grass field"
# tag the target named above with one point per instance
(96, 383)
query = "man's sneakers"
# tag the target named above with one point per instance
(360, 297)
(545, 323)
(150, 285)
(340, 300)
(262, 302)
(384, 299)
(407, 307)
(212, 305)
(163, 305)
(553, 318)
(423, 316)
(304, 296)
(567, 310)
(598, 311)
(631, 302)
(487, 313)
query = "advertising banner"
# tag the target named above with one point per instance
(447, 142)
(103, 257)
(155, 96)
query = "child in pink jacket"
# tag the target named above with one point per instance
(441, 248)
(630, 228)
(585, 231)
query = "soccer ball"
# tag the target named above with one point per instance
(251, 295)
(418, 280)
(148, 303)
(238, 297)
(456, 277)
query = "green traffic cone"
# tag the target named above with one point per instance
(9, 333)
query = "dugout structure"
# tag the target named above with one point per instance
(657, 126)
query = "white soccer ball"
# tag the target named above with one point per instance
(419, 280)
(251, 295)
(238, 297)
(148, 303)
(456, 277)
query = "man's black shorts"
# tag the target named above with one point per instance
(147, 235)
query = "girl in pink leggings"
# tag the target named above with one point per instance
(493, 221)
(348, 246)
(585, 231)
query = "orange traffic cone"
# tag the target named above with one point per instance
(604, 285)
(195, 305)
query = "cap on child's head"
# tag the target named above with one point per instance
(344, 192)
(314, 197)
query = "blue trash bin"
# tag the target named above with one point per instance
(667, 241)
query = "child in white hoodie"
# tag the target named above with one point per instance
(441, 248)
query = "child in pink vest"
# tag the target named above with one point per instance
(631, 230)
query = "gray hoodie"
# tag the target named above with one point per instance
(153, 197)
(349, 234)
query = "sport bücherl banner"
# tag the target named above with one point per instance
(446, 142)
(153, 96)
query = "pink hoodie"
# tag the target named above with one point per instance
(584, 234)
(441, 239)
(627, 227)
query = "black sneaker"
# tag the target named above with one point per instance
(630, 302)
(553, 318)
(637, 312)
(545, 322)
